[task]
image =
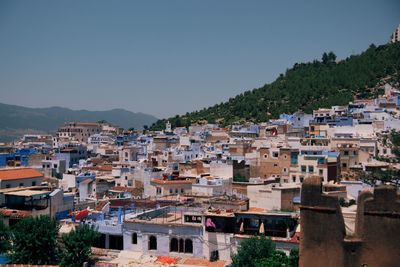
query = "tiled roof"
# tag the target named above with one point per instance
(20, 173)
(14, 213)
(161, 182)
(105, 168)
(134, 191)
(101, 205)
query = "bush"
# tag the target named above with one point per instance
(34, 241)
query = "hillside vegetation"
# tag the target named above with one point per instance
(306, 86)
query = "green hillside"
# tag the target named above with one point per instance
(306, 86)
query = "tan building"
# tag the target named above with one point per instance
(272, 162)
(78, 131)
(271, 198)
(161, 187)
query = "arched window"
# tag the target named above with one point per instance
(173, 245)
(152, 242)
(188, 246)
(134, 238)
(181, 245)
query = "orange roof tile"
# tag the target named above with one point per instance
(255, 209)
(105, 168)
(20, 173)
(161, 182)
(14, 213)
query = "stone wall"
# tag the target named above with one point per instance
(377, 231)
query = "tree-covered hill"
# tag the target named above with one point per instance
(306, 86)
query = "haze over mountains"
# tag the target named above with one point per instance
(17, 120)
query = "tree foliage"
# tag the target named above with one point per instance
(5, 236)
(306, 86)
(34, 241)
(77, 246)
(381, 176)
(261, 252)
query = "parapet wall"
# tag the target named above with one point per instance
(376, 241)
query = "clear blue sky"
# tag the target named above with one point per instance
(169, 57)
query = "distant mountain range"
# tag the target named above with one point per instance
(17, 120)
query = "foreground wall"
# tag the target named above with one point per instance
(323, 242)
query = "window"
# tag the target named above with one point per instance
(171, 191)
(176, 190)
(294, 178)
(311, 169)
(34, 183)
(134, 238)
(265, 156)
(21, 184)
(301, 179)
(275, 154)
(152, 242)
(188, 246)
(158, 190)
(182, 190)
(344, 165)
(8, 185)
(303, 168)
(173, 245)
(321, 172)
(284, 170)
(181, 245)
(346, 153)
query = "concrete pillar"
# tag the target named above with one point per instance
(107, 244)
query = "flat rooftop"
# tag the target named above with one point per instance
(28, 193)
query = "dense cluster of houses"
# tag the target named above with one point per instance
(196, 192)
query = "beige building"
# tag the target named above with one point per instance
(271, 198)
(160, 187)
(78, 131)
(272, 162)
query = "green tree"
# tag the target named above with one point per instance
(294, 258)
(331, 57)
(253, 250)
(34, 241)
(307, 86)
(5, 244)
(77, 245)
(325, 58)
(277, 259)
